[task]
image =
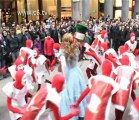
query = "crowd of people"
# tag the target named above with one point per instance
(30, 51)
(13, 37)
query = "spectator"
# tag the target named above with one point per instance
(54, 33)
(90, 31)
(122, 35)
(48, 47)
(13, 45)
(38, 44)
(6, 49)
(25, 36)
(32, 33)
(115, 35)
(18, 29)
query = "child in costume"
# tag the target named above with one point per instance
(16, 92)
(75, 82)
(45, 104)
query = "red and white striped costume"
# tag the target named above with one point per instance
(110, 62)
(94, 58)
(100, 40)
(20, 64)
(125, 76)
(41, 73)
(16, 92)
(101, 90)
(37, 108)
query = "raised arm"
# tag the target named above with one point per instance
(82, 96)
(63, 65)
(57, 116)
(11, 108)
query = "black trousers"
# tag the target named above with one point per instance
(50, 57)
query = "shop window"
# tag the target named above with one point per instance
(118, 3)
(32, 10)
(118, 13)
(94, 8)
(101, 1)
(49, 7)
(21, 10)
(66, 8)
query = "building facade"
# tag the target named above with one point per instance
(17, 10)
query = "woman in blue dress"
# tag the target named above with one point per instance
(75, 82)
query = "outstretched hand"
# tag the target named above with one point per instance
(75, 111)
(74, 106)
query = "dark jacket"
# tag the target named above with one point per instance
(122, 35)
(54, 35)
(23, 39)
(37, 44)
(13, 43)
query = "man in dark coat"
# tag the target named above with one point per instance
(54, 33)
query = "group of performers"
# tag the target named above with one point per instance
(32, 95)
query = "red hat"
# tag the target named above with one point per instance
(122, 49)
(19, 61)
(110, 51)
(58, 81)
(36, 52)
(136, 104)
(124, 59)
(19, 75)
(29, 43)
(106, 67)
(104, 46)
(56, 46)
(103, 32)
(132, 34)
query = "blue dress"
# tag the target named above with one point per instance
(74, 86)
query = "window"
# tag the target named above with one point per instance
(66, 8)
(32, 9)
(49, 6)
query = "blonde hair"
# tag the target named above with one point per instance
(70, 48)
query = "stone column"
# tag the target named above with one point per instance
(80, 9)
(136, 8)
(59, 9)
(40, 9)
(125, 8)
(85, 9)
(108, 8)
(1, 4)
(76, 10)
